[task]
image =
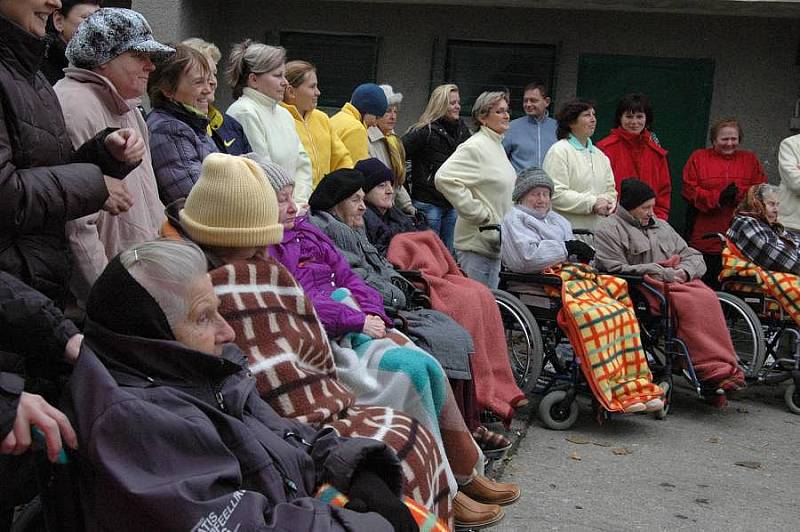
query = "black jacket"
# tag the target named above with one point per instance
(32, 330)
(174, 439)
(381, 228)
(55, 60)
(428, 148)
(43, 181)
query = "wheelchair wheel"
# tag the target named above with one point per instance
(523, 338)
(746, 333)
(792, 398)
(553, 415)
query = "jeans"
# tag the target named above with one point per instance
(480, 268)
(442, 220)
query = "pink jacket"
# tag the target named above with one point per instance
(90, 103)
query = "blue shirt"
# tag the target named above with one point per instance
(528, 139)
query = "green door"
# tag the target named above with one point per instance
(680, 92)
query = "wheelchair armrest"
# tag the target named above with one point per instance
(411, 275)
(531, 278)
(709, 236)
(583, 232)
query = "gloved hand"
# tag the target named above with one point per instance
(582, 251)
(368, 492)
(728, 196)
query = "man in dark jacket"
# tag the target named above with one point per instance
(173, 434)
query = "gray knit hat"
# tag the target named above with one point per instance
(276, 175)
(110, 32)
(528, 179)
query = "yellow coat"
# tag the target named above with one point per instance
(347, 124)
(324, 147)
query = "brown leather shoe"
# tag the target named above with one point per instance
(488, 491)
(472, 514)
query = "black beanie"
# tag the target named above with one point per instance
(375, 173)
(633, 192)
(335, 187)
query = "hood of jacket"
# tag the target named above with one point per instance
(113, 100)
(192, 118)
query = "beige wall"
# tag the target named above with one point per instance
(755, 77)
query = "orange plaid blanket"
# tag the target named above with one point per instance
(598, 318)
(782, 287)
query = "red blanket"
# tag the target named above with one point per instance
(702, 328)
(472, 305)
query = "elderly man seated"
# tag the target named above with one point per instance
(534, 239)
(634, 241)
(172, 433)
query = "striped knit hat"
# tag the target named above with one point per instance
(231, 205)
(277, 176)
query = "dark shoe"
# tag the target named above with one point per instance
(488, 491)
(468, 513)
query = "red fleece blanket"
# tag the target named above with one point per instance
(472, 305)
(702, 328)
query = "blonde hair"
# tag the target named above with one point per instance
(484, 103)
(296, 72)
(206, 48)
(250, 57)
(437, 105)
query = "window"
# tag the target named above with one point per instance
(343, 61)
(477, 66)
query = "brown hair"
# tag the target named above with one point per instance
(724, 122)
(535, 86)
(251, 57)
(296, 72)
(168, 72)
(569, 113)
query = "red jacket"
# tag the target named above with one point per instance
(639, 156)
(705, 176)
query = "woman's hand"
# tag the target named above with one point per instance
(125, 145)
(35, 411)
(374, 327)
(602, 206)
(119, 199)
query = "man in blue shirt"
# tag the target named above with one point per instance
(530, 136)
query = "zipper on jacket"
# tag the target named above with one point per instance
(218, 396)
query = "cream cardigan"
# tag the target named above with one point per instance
(271, 132)
(478, 180)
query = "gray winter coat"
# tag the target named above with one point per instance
(431, 330)
(531, 242)
(175, 439)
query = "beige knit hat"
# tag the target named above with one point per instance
(231, 205)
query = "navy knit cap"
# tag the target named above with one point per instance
(633, 192)
(335, 187)
(375, 173)
(110, 32)
(369, 98)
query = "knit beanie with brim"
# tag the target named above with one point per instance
(231, 205)
(375, 173)
(529, 179)
(334, 188)
(633, 192)
(277, 176)
(370, 99)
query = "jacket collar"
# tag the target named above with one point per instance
(259, 97)
(492, 134)
(116, 103)
(531, 212)
(575, 143)
(292, 111)
(375, 134)
(626, 217)
(21, 49)
(194, 119)
(535, 120)
(351, 110)
(215, 118)
(160, 361)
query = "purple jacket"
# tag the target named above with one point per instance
(173, 439)
(314, 261)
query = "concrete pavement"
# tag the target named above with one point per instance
(736, 468)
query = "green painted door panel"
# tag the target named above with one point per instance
(680, 91)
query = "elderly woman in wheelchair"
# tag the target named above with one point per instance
(633, 241)
(761, 262)
(595, 312)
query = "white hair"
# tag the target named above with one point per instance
(484, 103)
(166, 269)
(394, 98)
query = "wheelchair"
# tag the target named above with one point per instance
(544, 363)
(769, 328)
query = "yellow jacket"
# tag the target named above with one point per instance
(324, 147)
(347, 124)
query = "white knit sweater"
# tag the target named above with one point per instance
(271, 132)
(478, 180)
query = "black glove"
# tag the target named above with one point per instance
(728, 196)
(582, 251)
(368, 492)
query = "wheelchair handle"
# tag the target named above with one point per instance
(709, 236)
(489, 227)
